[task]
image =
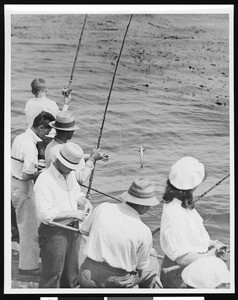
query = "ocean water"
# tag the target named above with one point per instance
(170, 95)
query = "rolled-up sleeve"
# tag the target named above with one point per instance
(29, 160)
(44, 198)
(175, 239)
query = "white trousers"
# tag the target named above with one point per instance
(27, 222)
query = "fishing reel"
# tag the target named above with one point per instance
(66, 92)
(222, 252)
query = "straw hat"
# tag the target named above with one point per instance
(187, 173)
(142, 192)
(206, 272)
(64, 121)
(70, 155)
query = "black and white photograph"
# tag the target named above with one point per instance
(119, 149)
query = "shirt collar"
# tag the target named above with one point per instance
(129, 210)
(33, 135)
(40, 99)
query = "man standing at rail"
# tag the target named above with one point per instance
(24, 161)
(58, 196)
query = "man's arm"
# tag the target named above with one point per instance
(34, 176)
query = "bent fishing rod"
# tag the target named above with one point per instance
(107, 103)
(66, 91)
(200, 197)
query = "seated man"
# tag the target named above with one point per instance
(119, 248)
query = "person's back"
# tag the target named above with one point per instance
(117, 233)
(35, 105)
(39, 103)
(119, 248)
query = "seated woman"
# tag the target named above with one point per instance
(183, 237)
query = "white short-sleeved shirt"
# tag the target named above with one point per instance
(53, 194)
(118, 237)
(182, 231)
(24, 154)
(35, 106)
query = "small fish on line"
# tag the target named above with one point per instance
(141, 151)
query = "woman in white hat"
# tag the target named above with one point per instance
(183, 237)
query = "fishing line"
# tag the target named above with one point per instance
(105, 111)
(121, 148)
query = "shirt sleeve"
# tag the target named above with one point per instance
(44, 198)
(176, 238)
(83, 173)
(30, 160)
(143, 253)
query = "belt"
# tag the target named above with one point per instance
(100, 263)
(16, 178)
(105, 264)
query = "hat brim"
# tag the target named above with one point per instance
(72, 128)
(152, 201)
(66, 163)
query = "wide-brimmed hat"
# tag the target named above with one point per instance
(64, 121)
(206, 272)
(70, 155)
(187, 173)
(142, 192)
(38, 84)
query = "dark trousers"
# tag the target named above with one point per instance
(170, 275)
(94, 274)
(59, 256)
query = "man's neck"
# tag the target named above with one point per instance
(60, 140)
(59, 170)
(40, 95)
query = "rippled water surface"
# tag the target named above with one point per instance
(170, 95)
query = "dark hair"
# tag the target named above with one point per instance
(186, 196)
(43, 119)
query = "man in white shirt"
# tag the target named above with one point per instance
(58, 196)
(24, 170)
(40, 102)
(119, 248)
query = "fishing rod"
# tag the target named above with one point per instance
(105, 111)
(66, 91)
(219, 182)
(114, 198)
(201, 196)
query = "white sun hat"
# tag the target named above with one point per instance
(70, 155)
(187, 173)
(206, 272)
